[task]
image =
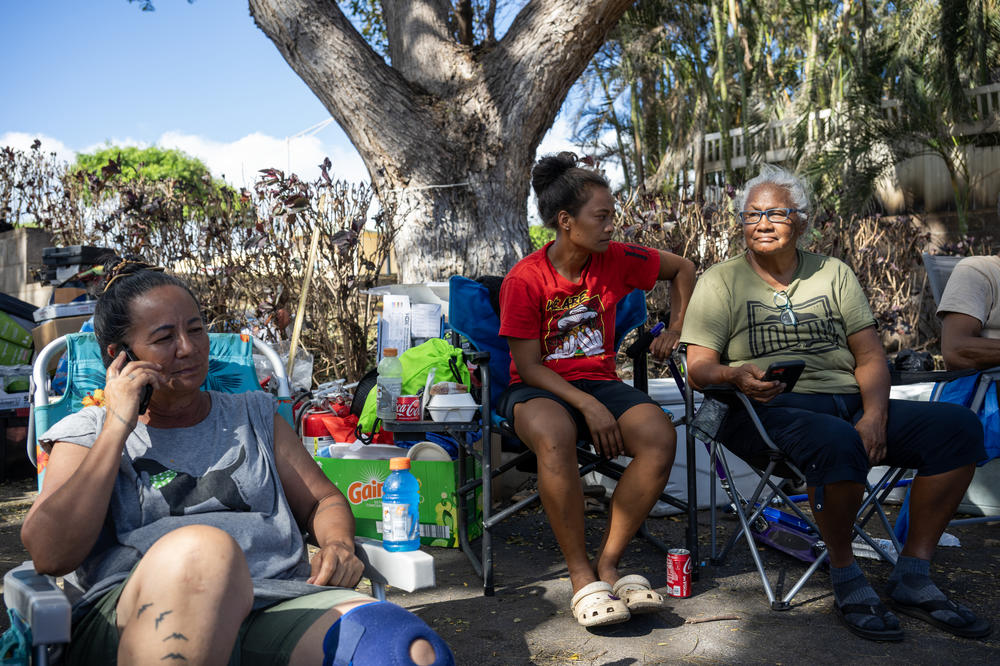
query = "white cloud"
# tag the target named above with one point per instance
(23, 141)
(239, 161)
(121, 143)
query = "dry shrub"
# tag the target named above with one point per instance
(243, 252)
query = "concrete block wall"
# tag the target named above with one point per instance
(21, 249)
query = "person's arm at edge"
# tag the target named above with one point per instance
(963, 346)
(319, 508)
(872, 374)
(527, 357)
(65, 520)
(680, 272)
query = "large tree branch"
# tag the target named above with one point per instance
(543, 53)
(371, 101)
(421, 46)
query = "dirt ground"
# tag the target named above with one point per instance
(727, 620)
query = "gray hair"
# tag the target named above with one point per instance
(769, 174)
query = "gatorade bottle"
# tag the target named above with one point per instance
(400, 507)
(388, 385)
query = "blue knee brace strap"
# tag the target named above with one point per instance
(379, 633)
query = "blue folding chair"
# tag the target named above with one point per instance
(975, 390)
(472, 314)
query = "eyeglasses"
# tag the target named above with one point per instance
(782, 301)
(774, 215)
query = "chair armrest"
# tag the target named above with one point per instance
(904, 377)
(719, 388)
(40, 602)
(476, 357)
(408, 570)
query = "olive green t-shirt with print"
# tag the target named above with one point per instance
(733, 312)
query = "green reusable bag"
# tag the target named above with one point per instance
(417, 362)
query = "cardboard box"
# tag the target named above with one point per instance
(13, 332)
(11, 354)
(62, 295)
(361, 482)
(48, 331)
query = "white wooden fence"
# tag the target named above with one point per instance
(918, 183)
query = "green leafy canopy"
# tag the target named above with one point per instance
(149, 164)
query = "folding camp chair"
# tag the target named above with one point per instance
(939, 268)
(473, 314)
(971, 389)
(38, 601)
(795, 534)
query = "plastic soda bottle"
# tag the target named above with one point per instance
(400, 507)
(388, 384)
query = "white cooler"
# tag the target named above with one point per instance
(665, 392)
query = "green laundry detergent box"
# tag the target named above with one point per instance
(361, 483)
(11, 331)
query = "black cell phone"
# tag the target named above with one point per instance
(785, 371)
(147, 390)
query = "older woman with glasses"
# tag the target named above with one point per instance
(777, 302)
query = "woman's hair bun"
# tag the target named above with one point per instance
(560, 184)
(550, 168)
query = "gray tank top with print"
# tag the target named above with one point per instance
(220, 472)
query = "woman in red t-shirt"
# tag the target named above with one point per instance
(557, 311)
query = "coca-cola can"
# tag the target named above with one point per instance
(408, 408)
(679, 572)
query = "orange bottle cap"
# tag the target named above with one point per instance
(399, 463)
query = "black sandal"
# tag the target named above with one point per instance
(879, 611)
(977, 628)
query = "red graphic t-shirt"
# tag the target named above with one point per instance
(574, 321)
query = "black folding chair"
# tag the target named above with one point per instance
(773, 467)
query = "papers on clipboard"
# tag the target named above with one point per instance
(425, 320)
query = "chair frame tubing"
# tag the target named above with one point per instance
(871, 506)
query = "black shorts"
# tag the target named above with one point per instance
(617, 396)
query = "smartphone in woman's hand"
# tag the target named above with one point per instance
(147, 390)
(785, 371)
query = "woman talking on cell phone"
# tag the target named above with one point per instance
(777, 303)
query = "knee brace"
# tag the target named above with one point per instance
(379, 633)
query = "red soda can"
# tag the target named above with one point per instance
(679, 572)
(408, 408)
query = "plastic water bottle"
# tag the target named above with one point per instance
(400, 507)
(388, 385)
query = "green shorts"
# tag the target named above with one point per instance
(267, 636)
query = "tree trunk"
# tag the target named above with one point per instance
(448, 133)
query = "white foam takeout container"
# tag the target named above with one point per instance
(452, 407)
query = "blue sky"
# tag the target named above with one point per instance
(200, 77)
